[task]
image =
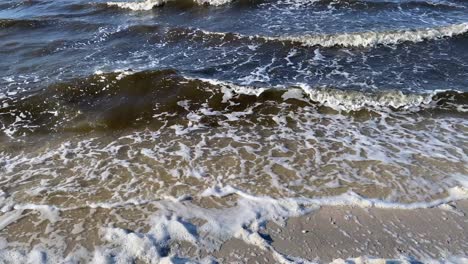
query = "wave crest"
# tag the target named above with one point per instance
(131, 99)
(359, 39)
(150, 4)
(355, 100)
(138, 6)
(352, 100)
(371, 38)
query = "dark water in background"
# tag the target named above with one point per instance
(109, 104)
(53, 41)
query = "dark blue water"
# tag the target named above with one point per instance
(50, 41)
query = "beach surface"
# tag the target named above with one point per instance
(370, 235)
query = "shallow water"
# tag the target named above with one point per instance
(157, 122)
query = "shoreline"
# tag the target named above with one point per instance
(350, 234)
(338, 233)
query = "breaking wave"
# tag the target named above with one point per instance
(150, 4)
(354, 100)
(358, 4)
(126, 99)
(363, 39)
(138, 6)
(367, 39)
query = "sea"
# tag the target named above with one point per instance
(129, 127)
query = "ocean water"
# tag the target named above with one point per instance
(128, 127)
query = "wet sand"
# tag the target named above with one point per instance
(369, 235)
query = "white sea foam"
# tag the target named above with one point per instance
(347, 199)
(365, 39)
(213, 2)
(149, 246)
(10, 217)
(345, 100)
(146, 5)
(173, 222)
(372, 38)
(228, 88)
(355, 100)
(138, 6)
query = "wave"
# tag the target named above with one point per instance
(24, 23)
(125, 99)
(355, 100)
(150, 4)
(349, 40)
(361, 39)
(351, 100)
(371, 38)
(380, 4)
(138, 6)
